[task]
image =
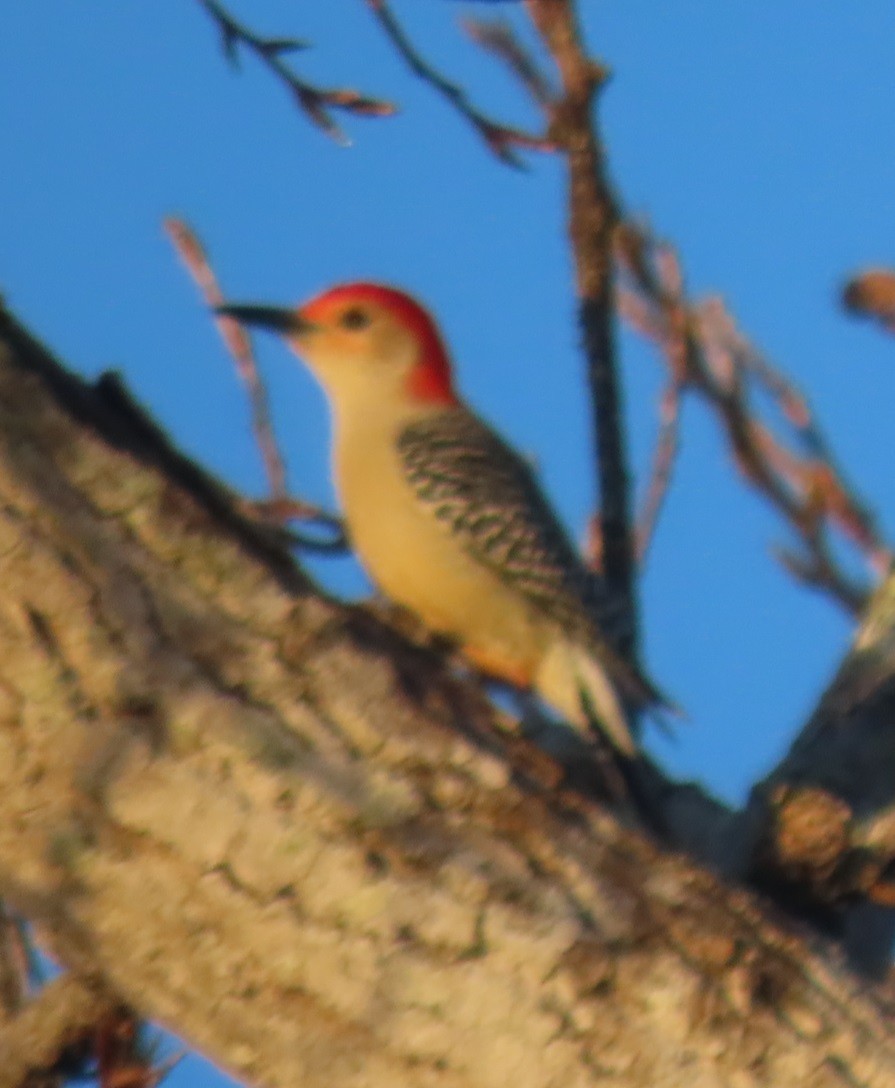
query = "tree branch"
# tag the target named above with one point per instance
(192, 253)
(502, 140)
(266, 820)
(497, 37)
(316, 102)
(821, 827)
(592, 218)
(706, 355)
(280, 507)
(667, 445)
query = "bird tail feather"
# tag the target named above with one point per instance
(574, 681)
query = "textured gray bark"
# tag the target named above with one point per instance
(821, 828)
(267, 821)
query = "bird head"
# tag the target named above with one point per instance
(363, 338)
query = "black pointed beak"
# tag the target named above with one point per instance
(275, 318)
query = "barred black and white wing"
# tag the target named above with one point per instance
(488, 499)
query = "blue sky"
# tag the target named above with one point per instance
(756, 138)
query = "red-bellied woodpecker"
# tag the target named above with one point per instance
(446, 518)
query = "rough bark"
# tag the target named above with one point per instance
(820, 829)
(66, 1010)
(267, 821)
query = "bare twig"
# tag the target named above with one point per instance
(663, 466)
(503, 140)
(497, 37)
(281, 507)
(316, 102)
(819, 570)
(707, 354)
(661, 278)
(592, 218)
(813, 473)
(193, 255)
(281, 511)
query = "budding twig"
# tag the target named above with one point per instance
(497, 37)
(281, 507)
(193, 255)
(707, 355)
(503, 140)
(316, 102)
(667, 444)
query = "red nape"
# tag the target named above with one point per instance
(431, 379)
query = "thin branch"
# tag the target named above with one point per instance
(592, 219)
(502, 140)
(497, 37)
(281, 507)
(667, 444)
(316, 102)
(819, 485)
(667, 326)
(279, 512)
(193, 255)
(706, 354)
(818, 570)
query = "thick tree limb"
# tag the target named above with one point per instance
(263, 819)
(823, 822)
(66, 1010)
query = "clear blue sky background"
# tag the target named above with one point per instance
(755, 135)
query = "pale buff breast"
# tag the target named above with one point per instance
(413, 560)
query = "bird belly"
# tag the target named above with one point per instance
(416, 562)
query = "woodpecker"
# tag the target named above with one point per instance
(446, 518)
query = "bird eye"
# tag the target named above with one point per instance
(354, 318)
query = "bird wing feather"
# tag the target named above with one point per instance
(485, 494)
